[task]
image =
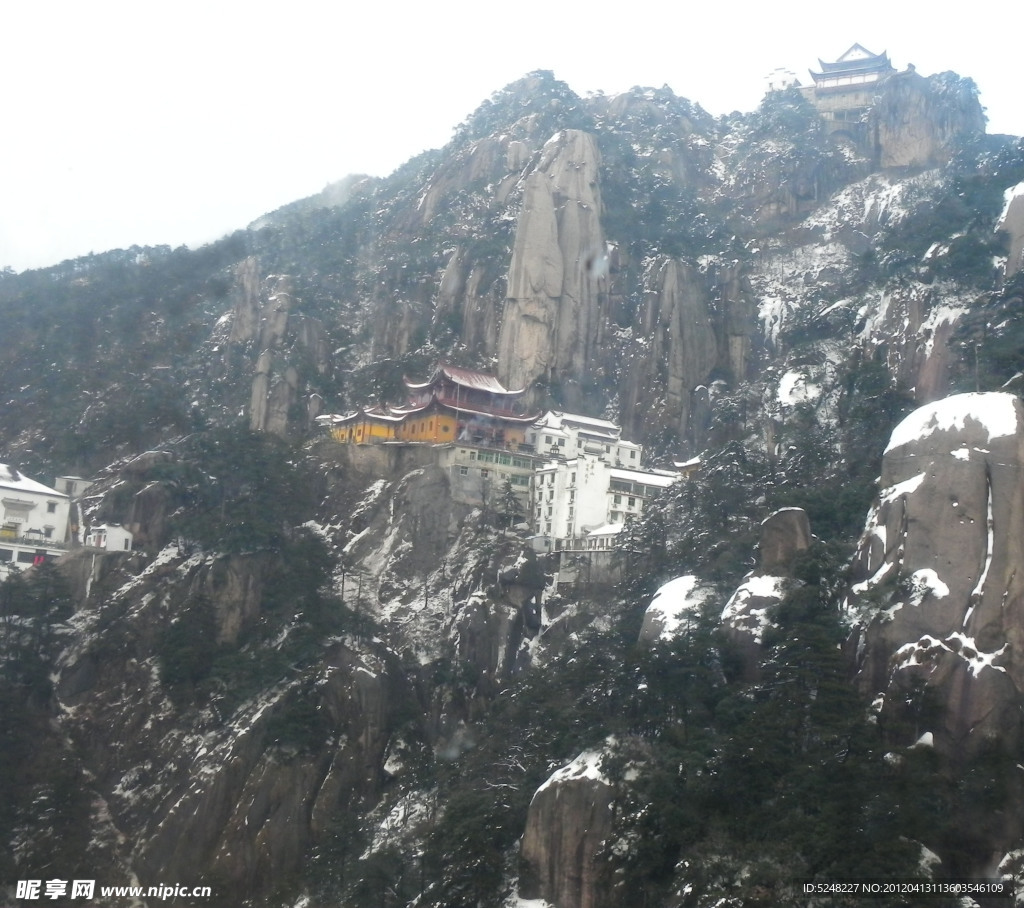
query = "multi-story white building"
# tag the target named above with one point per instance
(33, 521)
(576, 497)
(569, 434)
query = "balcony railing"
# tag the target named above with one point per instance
(33, 541)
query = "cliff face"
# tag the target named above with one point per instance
(558, 274)
(917, 121)
(264, 327)
(205, 789)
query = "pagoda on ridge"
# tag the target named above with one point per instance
(844, 90)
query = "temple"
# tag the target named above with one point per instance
(844, 90)
(452, 405)
(858, 66)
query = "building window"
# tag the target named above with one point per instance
(632, 455)
(463, 470)
(617, 499)
(51, 507)
(561, 442)
(632, 502)
(547, 439)
(48, 532)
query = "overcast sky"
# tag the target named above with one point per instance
(149, 122)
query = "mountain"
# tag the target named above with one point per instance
(323, 677)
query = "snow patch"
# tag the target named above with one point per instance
(675, 602)
(1008, 196)
(739, 615)
(586, 766)
(409, 813)
(795, 388)
(990, 543)
(925, 582)
(928, 648)
(995, 411)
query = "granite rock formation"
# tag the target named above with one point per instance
(558, 273)
(569, 819)
(941, 564)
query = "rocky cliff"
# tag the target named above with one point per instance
(557, 281)
(918, 121)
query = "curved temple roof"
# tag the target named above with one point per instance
(467, 378)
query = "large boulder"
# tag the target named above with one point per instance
(570, 818)
(784, 535)
(673, 609)
(939, 572)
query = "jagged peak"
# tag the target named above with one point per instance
(537, 93)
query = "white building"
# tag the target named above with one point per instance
(33, 521)
(573, 499)
(110, 536)
(569, 434)
(72, 486)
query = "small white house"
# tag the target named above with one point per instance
(33, 521)
(72, 486)
(109, 536)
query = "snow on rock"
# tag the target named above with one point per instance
(795, 388)
(673, 607)
(747, 609)
(517, 901)
(586, 766)
(992, 411)
(898, 489)
(942, 563)
(925, 652)
(408, 814)
(925, 582)
(567, 828)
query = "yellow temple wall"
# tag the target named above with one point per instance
(435, 428)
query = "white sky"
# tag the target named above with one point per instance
(150, 122)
